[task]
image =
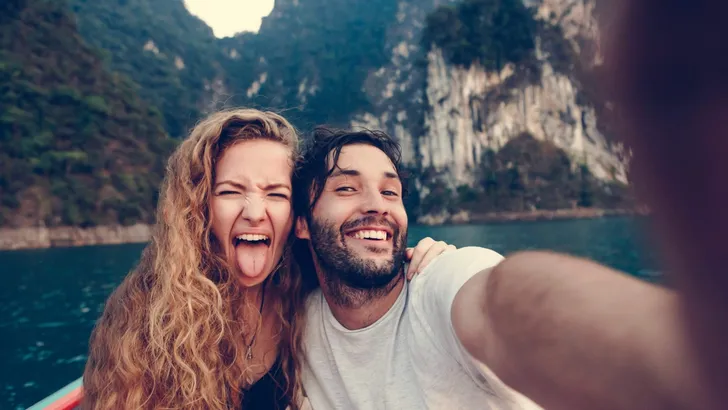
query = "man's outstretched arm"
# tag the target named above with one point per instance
(572, 334)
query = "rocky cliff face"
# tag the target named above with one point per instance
(363, 63)
(471, 110)
(337, 62)
(447, 116)
(396, 90)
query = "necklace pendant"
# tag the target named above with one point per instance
(249, 355)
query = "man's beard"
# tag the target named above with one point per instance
(352, 281)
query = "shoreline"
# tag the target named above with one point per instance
(42, 237)
(465, 217)
(70, 236)
(553, 215)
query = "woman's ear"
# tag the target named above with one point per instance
(302, 228)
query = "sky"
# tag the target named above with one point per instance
(227, 17)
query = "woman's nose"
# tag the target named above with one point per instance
(254, 210)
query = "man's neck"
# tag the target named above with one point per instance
(359, 308)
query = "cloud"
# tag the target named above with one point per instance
(227, 17)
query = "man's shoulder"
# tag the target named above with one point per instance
(313, 302)
(462, 258)
(437, 285)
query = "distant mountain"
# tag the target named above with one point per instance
(456, 82)
(77, 146)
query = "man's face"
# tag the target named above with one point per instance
(358, 227)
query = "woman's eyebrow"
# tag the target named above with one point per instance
(229, 182)
(278, 185)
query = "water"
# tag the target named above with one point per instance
(51, 298)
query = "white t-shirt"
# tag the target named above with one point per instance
(410, 358)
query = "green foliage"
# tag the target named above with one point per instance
(85, 100)
(143, 39)
(586, 191)
(494, 33)
(525, 175)
(559, 50)
(439, 197)
(412, 198)
(490, 32)
(466, 195)
(97, 104)
(329, 46)
(67, 124)
(310, 59)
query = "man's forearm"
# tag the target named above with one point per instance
(572, 334)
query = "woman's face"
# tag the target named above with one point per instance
(250, 207)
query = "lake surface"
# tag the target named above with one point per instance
(51, 298)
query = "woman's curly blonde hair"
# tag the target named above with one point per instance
(169, 336)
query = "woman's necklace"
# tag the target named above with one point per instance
(249, 354)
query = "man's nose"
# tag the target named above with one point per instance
(254, 210)
(374, 203)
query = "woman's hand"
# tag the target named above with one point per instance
(421, 255)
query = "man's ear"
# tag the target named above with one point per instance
(302, 228)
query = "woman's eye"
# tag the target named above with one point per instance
(227, 193)
(345, 189)
(278, 195)
(390, 193)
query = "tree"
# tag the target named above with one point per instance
(492, 33)
(66, 124)
(586, 191)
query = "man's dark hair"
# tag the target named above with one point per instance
(313, 169)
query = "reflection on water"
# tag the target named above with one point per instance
(50, 301)
(617, 242)
(51, 298)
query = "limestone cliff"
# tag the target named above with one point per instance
(363, 63)
(446, 116)
(470, 110)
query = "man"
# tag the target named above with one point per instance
(572, 334)
(568, 333)
(374, 341)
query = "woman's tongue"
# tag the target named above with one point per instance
(252, 258)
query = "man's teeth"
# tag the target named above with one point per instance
(249, 237)
(380, 235)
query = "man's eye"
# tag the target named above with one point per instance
(345, 189)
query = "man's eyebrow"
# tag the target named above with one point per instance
(352, 172)
(348, 172)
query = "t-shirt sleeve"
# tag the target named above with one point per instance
(433, 292)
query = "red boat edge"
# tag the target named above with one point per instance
(67, 398)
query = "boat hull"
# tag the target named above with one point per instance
(67, 398)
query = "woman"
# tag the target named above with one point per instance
(212, 315)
